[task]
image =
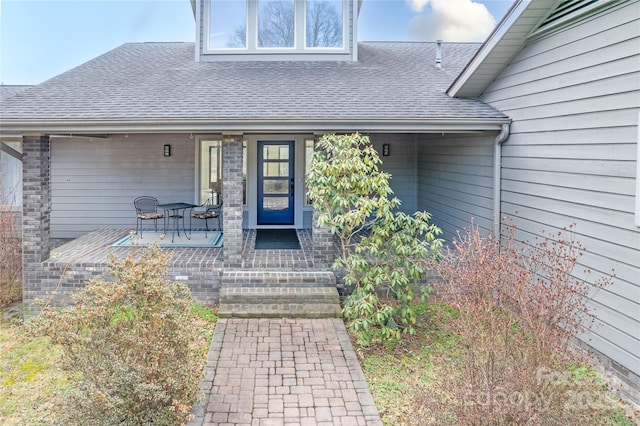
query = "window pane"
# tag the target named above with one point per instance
(10, 180)
(276, 169)
(275, 186)
(308, 156)
(276, 23)
(324, 23)
(275, 203)
(228, 24)
(275, 152)
(244, 173)
(210, 169)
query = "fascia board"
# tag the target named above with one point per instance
(207, 126)
(487, 47)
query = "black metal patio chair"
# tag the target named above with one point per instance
(146, 209)
(207, 211)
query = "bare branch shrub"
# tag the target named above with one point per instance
(10, 252)
(518, 306)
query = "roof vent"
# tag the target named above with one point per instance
(567, 11)
(439, 54)
(566, 8)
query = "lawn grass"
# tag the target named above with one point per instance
(33, 384)
(404, 376)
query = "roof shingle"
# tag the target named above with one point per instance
(151, 81)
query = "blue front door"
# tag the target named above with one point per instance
(275, 182)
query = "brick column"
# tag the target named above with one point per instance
(36, 214)
(323, 250)
(232, 193)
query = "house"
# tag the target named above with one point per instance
(539, 123)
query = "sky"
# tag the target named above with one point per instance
(40, 39)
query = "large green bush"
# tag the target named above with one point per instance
(382, 250)
(134, 343)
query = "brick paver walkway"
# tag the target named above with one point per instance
(284, 372)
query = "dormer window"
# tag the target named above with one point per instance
(228, 25)
(276, 27)
(276, 23)
(324, 23)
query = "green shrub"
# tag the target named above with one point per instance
(382, 250)
(135, 341)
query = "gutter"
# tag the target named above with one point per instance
(407, 125)
(497, 177)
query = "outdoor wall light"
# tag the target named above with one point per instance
(167, 150)
(385, 150)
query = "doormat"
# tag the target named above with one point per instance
(198, 240)
(277, 239)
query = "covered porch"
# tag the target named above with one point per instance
(83, 188)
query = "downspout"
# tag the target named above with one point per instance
(497, 176)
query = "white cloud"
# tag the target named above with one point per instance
(450, 20)
(418, 5)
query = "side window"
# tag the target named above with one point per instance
(210, 169)
(308, 155)
(11, 173)
(244, 173)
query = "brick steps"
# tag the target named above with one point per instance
(279, 294)
(268, 278)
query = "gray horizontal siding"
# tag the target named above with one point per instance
(455, 181)
(93, 184)
(401, 164)
(574, 98)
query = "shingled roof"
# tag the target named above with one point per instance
(9, 90)
(162, 83)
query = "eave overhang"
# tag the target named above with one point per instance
(408, 125)
(470, 83)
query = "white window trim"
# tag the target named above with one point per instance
(252, 33)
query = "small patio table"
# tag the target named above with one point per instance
(175, 211)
